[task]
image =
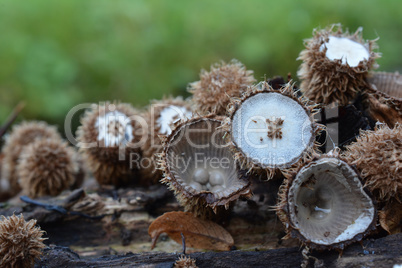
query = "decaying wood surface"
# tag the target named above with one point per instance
(383, 252)
(101, 236)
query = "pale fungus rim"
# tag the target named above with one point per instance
(284, 210)
(186, 194)
(286, 91)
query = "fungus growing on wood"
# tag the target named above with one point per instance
(384, 98)
(325, 205)
(224, 81)
(161, 117)
(199, 167)
(378, 157)
(21, 242)
(109, 136)
(20, 136)
(272, 129)
(336, 65)
(47, 167)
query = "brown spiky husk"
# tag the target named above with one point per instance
(153, 144)
(378, 156)
(20, 136)
(224, 81)
(185, 262)
(282, 211)
(103, 161)
(328, 81)
(255, 167)
(384, 98)
(47, 167)
(203, 204)
(21, 243)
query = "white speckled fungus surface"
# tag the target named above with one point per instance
(272, 129)
(349, 51)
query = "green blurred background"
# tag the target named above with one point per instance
(57, 54)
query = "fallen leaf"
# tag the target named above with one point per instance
(390, 217)
(198, 233)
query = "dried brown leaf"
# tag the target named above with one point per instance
(390, 217)
(198, 233)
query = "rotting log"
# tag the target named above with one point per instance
(382, 252)
(76, 241)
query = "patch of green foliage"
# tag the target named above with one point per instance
(57, 54)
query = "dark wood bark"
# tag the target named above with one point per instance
(383, 252)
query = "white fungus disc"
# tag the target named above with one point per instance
(282, 144)
(170, 115)
(114, 129)
(341, 48)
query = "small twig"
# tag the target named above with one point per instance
(183, 242)
(11, 118)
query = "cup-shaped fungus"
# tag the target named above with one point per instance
(384, 99)
(22, 135)
(109, 139)
(272, 129)
(199, 167)
(325, 206)
(21, 242)
(224, 81)
(335, 65)
(161, 117)
(47, 167)
(377, 155)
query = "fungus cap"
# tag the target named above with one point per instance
(384, 98)
(325, 206)
(272, 129)
(161, 116)
(335, 65)
(47, 167)
(111, 133)
(21, 242)
(199, 166)
(224, 81)
(20, 136)
(378, 157)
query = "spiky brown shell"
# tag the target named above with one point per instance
(378, 156)
(328, 81)
(205, 203)
(185, 262)
(283, 211)
(251, 165)
(47, 167)
(153, 144)
(224, 81)
(20, 136)
(384, 98)
(104, 162)
(21, 242)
